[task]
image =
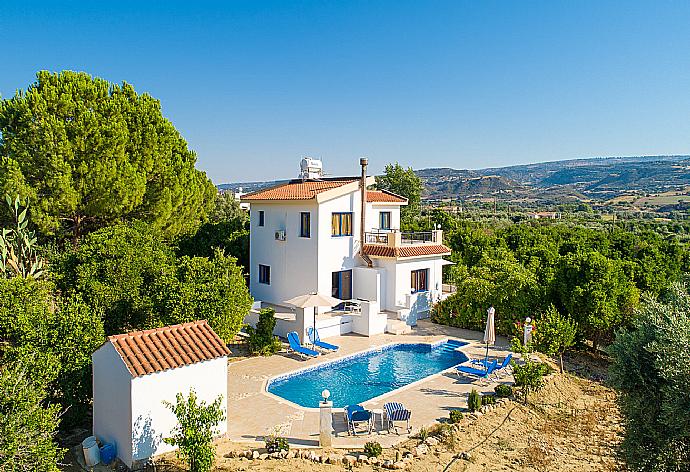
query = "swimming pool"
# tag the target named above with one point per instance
(361, 377)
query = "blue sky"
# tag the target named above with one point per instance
(254, 85)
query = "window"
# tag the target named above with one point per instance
(420, 280)
(385, 220)
(264, 274)
(261, 218)
(305, 224)
(342, 285)
(341, 224)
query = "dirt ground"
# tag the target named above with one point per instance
(572, 424)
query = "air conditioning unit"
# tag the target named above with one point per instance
(280, 235)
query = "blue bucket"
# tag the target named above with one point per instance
(108, 453)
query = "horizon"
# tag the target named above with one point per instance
(254, 86)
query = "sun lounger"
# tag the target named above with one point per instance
(396, 412)
(316, 340)
(356, 415)
(481, 374)
(295, 346)
(503, 368)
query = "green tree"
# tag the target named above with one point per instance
(27, 423)
(597, 293)
(227, 208)
(39, 328)
(137, 281)
(556, 333)
(211, 289)
(261, 339)
(197, 423)
(406, 183)
(651, 369)
(88, 153)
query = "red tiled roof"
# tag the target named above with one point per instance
(383, 196)
(156, 350)
(299, 190)
(406, 251)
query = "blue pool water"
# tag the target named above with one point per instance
(360, 377)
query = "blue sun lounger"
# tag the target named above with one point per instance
(355, 415)
(316, 340)
(396, 412)
(295, 346)
(504, 368)
(474, 372)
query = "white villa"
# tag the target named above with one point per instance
(331, 235)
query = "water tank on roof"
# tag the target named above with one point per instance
(310, 168)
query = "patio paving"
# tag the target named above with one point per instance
(253, 413)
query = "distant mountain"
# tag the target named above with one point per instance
(594, 179)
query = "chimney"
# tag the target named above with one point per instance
(363, 161)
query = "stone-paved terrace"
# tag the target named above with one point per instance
(253, 413)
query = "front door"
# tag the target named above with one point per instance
(342, 285)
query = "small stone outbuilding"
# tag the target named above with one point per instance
(134, 373)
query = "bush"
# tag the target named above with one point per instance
(488, 400)
(423, 434)
(528, 376)
(27, 423)
(650, 369)
(503, 391)
(195, 430)
(455, 416)
(276, 443)
(373, 449)
(261, 339)
(131, 274)
(474, 401)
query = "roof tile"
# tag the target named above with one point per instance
(412, 250)
(156, 350)
(383, 196)
(297, 190)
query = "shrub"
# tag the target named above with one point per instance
(556, 334)
(503, 391)
(27, 423)
(651, 371)
(261, 340)
(528, 376)
(455, 416)
(474, 401)
(488, 400)
(423, 434)
(276, 443)
(195, 430)
(373, 449)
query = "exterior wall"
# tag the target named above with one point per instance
(372, 218)
(398, 286)
(337, 253)
(294, 262)
(112, 418)
(152, 420)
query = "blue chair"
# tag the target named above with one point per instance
(295, 346)
(481, 374)
(356, 415)
(396, 412)
(503, 368)
(316, 340)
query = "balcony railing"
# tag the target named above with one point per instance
(395, 238)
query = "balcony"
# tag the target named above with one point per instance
(395, 238)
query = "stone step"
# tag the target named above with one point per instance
(398, 327)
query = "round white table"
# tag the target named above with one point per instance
(374, 413)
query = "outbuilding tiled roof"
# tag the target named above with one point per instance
(413, 250)
(156, 350)
(382, 196)
(297, 190)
